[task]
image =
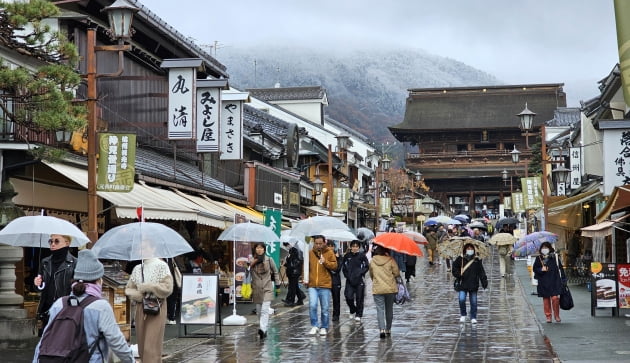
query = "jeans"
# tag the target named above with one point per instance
(473, 303)
(384, 310)
(319, 295)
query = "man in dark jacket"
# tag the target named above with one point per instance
(294, 264)
(354, 266)
(55, 276)
(336, 284)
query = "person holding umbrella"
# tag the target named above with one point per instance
(384, 273)
(547, 269)
(469, 269)
(152, 276)
(55, 276)
(264, 274)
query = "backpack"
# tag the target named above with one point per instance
(64, 339)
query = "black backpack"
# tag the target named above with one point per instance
(64, 339)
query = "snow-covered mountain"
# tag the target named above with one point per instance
(366, 89)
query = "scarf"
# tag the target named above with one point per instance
(58, 257)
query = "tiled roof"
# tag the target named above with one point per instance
(288, 93)
(478, 107)
(272, 126)
(565, 116)
(158, 166)
(152, 164)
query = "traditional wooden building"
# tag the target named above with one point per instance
(461, 139)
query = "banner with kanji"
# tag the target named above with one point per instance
(532, 192)
(273, 219)
(116, 162)
(341, 197)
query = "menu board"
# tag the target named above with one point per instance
(199, 299)
(623, 274)
(604, 276)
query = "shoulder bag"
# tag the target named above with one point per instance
(150, 303)
(566, 299)
(457, 284)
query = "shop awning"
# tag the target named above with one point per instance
(209, 206)
(602, 229)
(253, 215)
(158, 203)
(619, 199)
(575, 200)
(321, 211)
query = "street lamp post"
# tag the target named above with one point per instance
(384, 166)
(120, 15)
(417, 178)
(527, 119)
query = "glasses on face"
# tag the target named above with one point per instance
(55, 241)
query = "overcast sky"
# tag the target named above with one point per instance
(519, 41)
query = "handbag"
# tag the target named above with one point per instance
(177, 275)
(150, 303)
(566, 299)
(457, 284)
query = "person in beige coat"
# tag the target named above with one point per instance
(152, 276)
(384, 272)
(264, 274)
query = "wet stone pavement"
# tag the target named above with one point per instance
(427, 329)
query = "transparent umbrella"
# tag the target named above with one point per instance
(140, 240)
(315, 225)
(244, 232)
(34, 231)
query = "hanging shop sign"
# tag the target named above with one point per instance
(341, 197)
(208, 111)
(231, 126)
(116, 162)
(182, 77)
(532, 192)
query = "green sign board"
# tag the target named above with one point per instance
(116, 162)
(273, 219)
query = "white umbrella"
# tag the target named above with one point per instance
(140, 240)
(244, 232)
(313, 226)
(34, 231)
(338, 235)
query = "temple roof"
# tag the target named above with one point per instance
(462, 108)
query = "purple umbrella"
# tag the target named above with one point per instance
(530, 244)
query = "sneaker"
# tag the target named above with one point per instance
(171, 322)
(473, 321)
(413, 278)
(314, 330)
(462, 319)
(357, 319)
(322, 331)
(351, 316)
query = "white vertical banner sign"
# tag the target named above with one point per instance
(231, 126)
(182, 76)
(208, 107)
(575, 159)
(616, 156)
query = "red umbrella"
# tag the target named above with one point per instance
(399, 243)
(417, 237)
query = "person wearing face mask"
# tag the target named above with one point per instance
(55, 276)
(469, 269)
(547, 270)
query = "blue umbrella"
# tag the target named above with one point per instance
(530, 244)
(462, 218)
(430, 223)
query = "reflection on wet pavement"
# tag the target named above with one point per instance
(426, 329)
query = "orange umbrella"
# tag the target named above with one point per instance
(399, 243)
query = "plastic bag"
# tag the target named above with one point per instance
(246, 288)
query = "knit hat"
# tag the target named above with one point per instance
(88, 267)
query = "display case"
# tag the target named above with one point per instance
(114, 283)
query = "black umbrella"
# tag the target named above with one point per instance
(506, 222)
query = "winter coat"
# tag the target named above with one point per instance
(354, 267)
(262, 286)
(473, 274)
(383, 272)
(62, 284)
(550, 281)
(98, 318)
(319, 274)
(294, 263)
(410, 260)
(157, 280)
(432, 240)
